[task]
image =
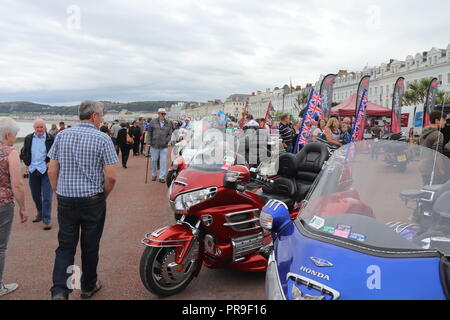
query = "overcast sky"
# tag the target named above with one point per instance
(67, 51)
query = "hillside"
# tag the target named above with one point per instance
(30, 107)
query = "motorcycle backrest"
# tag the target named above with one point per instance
(310, 160)
(287, 167)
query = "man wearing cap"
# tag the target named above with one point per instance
(159, 134)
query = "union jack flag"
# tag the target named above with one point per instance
(316, 99)
(312, 109)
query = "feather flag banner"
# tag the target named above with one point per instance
(244, 115)
(397, 97)
(270, 114)
(430, 100)
(326, 92)
(358, 125)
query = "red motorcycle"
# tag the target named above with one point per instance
(217, 218)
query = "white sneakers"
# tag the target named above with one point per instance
(7, 288)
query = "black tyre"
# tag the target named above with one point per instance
(159, 277)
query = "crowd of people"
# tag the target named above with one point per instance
(332, 131)
(78, 164)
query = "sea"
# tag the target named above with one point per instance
(26, 127)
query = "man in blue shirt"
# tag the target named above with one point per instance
(34, 155)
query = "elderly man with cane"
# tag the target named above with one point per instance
(159, 134)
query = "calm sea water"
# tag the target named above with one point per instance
(26, 127)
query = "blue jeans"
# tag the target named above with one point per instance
(41, 191)
(75, 216)
(161, 156)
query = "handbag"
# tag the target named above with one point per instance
(130, 140)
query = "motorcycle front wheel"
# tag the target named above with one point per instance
(161, 275)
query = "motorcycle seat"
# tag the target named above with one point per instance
(284, 186)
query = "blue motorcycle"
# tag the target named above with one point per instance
(364, 232)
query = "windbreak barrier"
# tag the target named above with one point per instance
(208, 145)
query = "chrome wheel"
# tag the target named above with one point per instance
(162, 275)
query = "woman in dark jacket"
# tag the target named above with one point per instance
(124, 146)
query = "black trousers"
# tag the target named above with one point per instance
(125, 150)
(142, 145)
(116, 146)
(75, 216)
(136, 144)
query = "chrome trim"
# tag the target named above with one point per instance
(272, 260)
(233, 224)
(239, 212)
(181, 183)
(314, 284)
(157, 232)
(431, 193)
(246, 245)
(230, 224)
(165, 241)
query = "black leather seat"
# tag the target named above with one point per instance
(309, 162)
(284, 187)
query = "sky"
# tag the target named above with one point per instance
(63, 52)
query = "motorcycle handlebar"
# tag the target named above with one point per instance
(264, 180)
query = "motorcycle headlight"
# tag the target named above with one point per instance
(186, 200)
(273, 285)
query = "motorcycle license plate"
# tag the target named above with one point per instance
(401, 158)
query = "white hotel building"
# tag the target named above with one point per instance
(433, 63)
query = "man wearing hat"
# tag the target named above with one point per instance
(159, 134)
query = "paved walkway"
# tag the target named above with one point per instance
(134, 209)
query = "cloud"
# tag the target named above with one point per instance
(199, 50)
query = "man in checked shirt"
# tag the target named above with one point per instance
(82, 173)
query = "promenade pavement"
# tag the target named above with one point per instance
(134, 208)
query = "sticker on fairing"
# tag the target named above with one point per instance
(342, 231)
(328, 229)
(357, 236)
(317, 222)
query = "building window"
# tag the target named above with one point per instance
(440, 79)
(435, 60)
(448, 78)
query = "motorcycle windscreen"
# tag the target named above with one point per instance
(367, 194)
(313, 269)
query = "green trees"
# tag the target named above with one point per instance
(417, 91)
(301, 101)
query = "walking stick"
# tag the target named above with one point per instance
(146, 171)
